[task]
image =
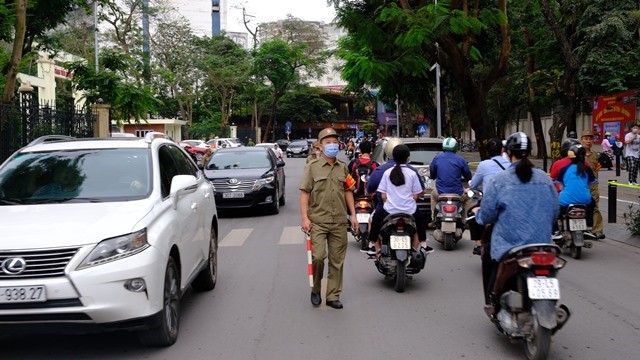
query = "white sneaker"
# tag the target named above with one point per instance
(556, 235)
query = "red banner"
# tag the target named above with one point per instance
(614, 113)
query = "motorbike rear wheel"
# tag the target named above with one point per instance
(400, 280)
(576, 251)
(364, 241)
(449, 243)
(538, 345)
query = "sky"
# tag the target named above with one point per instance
(272, 10)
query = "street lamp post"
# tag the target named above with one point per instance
(438, 111)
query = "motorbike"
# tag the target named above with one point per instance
(572, 226)
(449, 220)
(397, 261)
(525, 297)
(364, 208)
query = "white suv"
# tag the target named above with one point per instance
(103, 234)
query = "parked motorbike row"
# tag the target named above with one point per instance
(526, 290)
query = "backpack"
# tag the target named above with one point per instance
(360, 171)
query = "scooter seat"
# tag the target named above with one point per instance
(449, 197)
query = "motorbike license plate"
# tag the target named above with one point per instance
(22, 294)
(577, 224)
(448, 226)
(400, 242)
(233, 195)
(543, 288)
(363, 218)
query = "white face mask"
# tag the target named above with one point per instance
(634, 130)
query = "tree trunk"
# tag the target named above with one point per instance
(272, 116)
(16, 54)
(476, 108)
(533, 108)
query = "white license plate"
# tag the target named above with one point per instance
(20, 294)
(577, 224)
(400, 242)
(363, 218)
(233, 195)
(448, 226)
(543, 288)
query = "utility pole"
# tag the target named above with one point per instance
(397, 116)
(215, 18)
(146, 56)
(95, 34)
(438, 106)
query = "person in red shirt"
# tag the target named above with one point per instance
(363, 159)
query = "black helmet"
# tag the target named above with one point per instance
(519, 142)
(572, 135)
(577, 151)
(566, 145)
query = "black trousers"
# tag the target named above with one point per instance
(378, 216)
(589, 216)
(489, 272)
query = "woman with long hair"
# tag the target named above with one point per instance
(400, 188)
(522, 203)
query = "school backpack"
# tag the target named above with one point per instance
(360, 174)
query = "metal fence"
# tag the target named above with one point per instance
(27, 119)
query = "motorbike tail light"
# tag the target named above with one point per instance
(449, 208)
(543, 258)
(400, 224)
(541, 272)
(363, 204)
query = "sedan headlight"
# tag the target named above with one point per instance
(116, 248)
(262, 182)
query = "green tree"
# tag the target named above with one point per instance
(24, 23)
(279, 63)
(304, 104)
(226, 68)
(471, 42)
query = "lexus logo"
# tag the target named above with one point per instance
(14, 266)
(233, 181)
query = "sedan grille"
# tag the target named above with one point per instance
(37, 263)
(226, 185)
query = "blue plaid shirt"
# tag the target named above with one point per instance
(522, 213)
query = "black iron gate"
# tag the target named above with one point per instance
(27, 119)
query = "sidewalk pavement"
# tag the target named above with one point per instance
(626, 196)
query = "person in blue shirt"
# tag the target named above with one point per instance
(447, 169)
(575, 179)
(485, 171)
(379, 213)
(522, 203)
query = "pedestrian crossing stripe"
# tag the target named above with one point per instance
(236, 237)
(291, 235)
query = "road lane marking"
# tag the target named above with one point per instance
(236, 237)
(622, 201)
(291, 235)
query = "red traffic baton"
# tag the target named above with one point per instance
(309, 260)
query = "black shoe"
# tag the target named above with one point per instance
(477, 250)
(368, 250)
(336, 304)
(427, 249)
(316, 299)
(590, 234)
(600, 235)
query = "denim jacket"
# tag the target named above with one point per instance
(522, 213)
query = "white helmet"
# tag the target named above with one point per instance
(388, 148)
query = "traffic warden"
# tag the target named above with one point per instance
(326, 192)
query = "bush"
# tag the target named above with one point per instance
(632, 220)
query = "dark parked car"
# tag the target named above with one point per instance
(298, 148)
(247, 177)
(423, 150)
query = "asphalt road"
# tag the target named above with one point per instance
(260, 308)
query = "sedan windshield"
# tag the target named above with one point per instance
(299, 143)
(76, 176)
(239, 160)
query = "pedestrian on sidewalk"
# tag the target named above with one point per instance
(632, 140)
(592, 157)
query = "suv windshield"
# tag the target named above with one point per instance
(239, 160)
(423, 154)
(76, 175)
(299, 143)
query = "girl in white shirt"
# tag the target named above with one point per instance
(400, 187)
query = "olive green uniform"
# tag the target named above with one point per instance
(325, 184)
(598, 223)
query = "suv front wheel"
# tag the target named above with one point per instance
(166, 333)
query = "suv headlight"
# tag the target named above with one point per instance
(116, 248)
(262, 182)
